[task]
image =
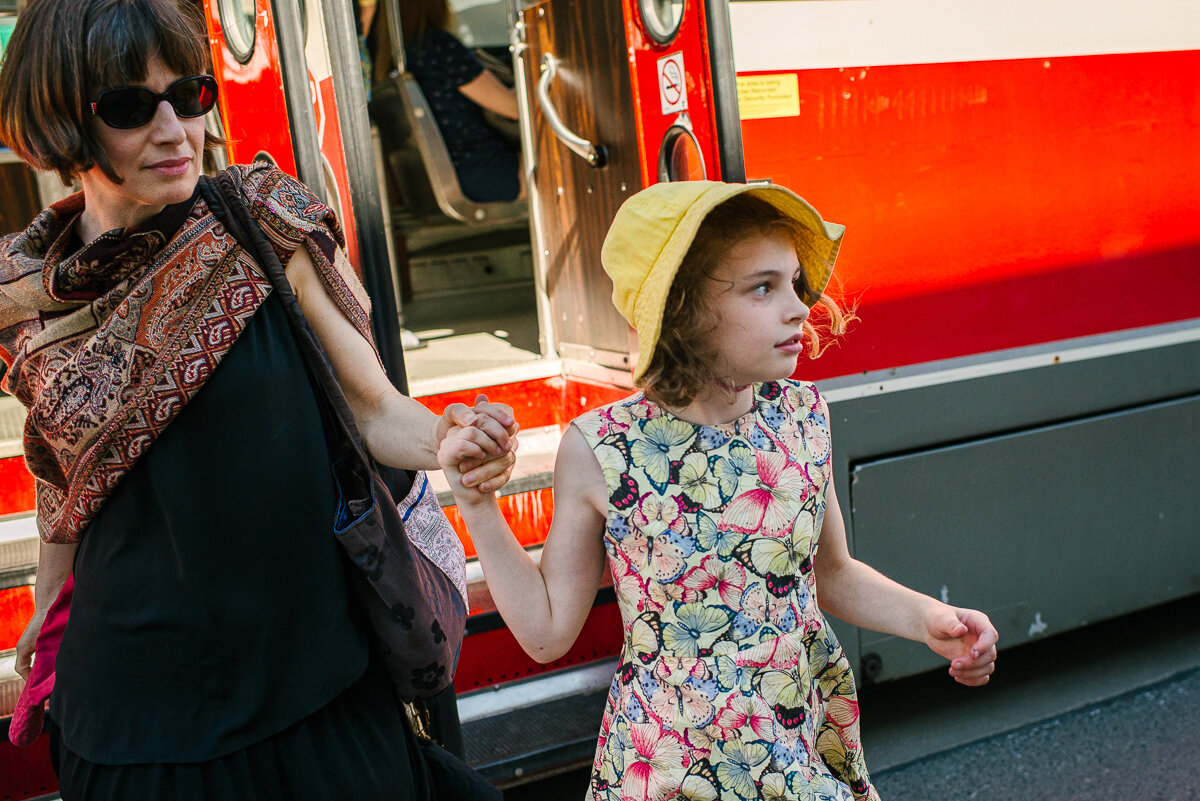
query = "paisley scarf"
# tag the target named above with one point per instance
(106, 344)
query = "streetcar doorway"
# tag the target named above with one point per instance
(463, 268)
(510, 287)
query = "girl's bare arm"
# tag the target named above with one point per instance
(861, 595)
(544, 605)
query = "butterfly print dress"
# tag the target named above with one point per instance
(731, 684)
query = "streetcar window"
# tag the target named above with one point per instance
(237, 21)
(7, 23)
(661, 18)
(481, 23)
(679, 156)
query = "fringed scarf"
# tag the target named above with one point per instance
(107, 344)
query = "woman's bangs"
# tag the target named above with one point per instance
(121, 43)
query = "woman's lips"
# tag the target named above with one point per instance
(171, 166)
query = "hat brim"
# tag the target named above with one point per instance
(652, 298)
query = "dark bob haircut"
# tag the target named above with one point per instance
(63, 53)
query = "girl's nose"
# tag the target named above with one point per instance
(798, 310)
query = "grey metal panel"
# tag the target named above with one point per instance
(289, 30)
(364, 198)
(1045, 529)
(878, 425)
(724, 90)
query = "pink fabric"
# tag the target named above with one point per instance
(26, 722)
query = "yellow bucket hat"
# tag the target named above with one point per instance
(654, 229)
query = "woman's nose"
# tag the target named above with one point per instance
(167, 125)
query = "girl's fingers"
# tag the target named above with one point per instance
(490, 475)
(969, 662)
(500, 412)
(974, 676)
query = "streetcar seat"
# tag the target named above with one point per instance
(443, 180)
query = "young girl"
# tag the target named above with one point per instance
(709, 491)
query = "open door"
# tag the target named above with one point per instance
(618, 95)
(582, 163)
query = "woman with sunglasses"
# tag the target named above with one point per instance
(182, 476)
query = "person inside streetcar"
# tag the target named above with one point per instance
(459, 90)
(184, 486)
(710, 490)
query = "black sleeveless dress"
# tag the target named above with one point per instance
(212, 651)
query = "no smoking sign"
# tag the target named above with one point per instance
(672, 88)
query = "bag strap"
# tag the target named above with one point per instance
(227, 205)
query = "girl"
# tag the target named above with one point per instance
(709, 490)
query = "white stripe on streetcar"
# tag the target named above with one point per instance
(814, 34)
(984, 365)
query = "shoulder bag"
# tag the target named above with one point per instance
(415, 609)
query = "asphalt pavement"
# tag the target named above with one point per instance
(1144, 745)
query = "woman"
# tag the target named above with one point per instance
(181, 470)
(459, 89)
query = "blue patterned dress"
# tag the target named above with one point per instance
(731, 684)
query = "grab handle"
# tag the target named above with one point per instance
(596, 155)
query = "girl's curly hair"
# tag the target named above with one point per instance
(684, 362)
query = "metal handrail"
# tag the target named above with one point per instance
(596, 155)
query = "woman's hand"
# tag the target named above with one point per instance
(967, 638)
(484, 444)
(25, 645)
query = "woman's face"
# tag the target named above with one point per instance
(158, 162)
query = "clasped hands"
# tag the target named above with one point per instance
(478, 444)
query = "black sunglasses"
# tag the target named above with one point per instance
(134, 106)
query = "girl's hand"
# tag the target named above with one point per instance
(967, 638)
(493, 429)
(461, 446)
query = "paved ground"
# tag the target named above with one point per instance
(1144, 745)
(1108, 713)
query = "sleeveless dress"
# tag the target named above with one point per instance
(731, 684)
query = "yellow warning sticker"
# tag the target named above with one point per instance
(761, 96)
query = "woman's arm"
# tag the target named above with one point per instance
(396, 429)
(55, 562)
(544, 605)
(486, 90)
(862, 596)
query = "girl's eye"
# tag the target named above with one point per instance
(761, 289)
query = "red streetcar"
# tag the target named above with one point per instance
(1018, 182)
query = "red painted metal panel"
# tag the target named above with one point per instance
(253, 109)
(528, 515)
(16, 610)
(494, 657)
(16, 486)
(538, 402)
(644, 55)
(26, 771)
(997, 204)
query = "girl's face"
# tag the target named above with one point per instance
(759, 333)
(158, 162)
